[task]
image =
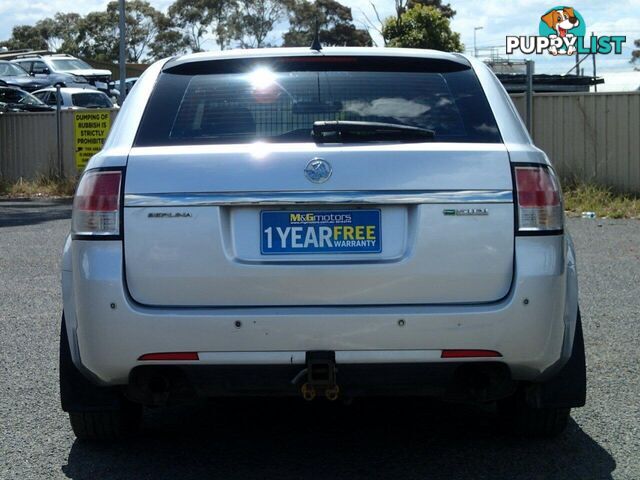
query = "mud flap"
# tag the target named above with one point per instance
(568, 388)
(77, 392)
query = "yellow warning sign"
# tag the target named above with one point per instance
(91, 129)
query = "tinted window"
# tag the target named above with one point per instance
(11, 70)
(261, 102)
(10, 95)
(39, 67)
(70, 64)
(91, 100)
(25, 65)
(52, 99)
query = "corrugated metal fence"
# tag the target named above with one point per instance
(28, 147)
(591, 137)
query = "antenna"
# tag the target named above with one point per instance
(315, 45)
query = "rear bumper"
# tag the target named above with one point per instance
(108, 331)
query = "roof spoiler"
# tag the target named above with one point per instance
(317, 61)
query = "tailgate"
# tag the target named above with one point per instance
(441, 217)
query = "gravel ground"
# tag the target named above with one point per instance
(297, 440)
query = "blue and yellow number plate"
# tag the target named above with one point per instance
(313, 231)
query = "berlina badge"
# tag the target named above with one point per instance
(318, 170)
(169, 215)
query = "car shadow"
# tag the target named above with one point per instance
(20, 213)
(376, 439)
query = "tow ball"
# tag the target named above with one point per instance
(320, 376)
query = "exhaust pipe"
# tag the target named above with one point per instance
(486, 382)
(152, 386)
(159, 387)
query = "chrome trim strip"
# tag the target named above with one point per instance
(383, 197)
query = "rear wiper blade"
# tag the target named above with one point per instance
(341, 131)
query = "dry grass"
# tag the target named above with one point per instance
(50, 187)
(605, 203)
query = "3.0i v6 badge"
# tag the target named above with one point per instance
(465, 212)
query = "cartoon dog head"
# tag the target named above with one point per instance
(561, 20)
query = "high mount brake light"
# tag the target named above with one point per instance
(539, 199)
(96, 205)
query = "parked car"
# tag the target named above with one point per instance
(129, 83)
(13, 75)
(13, 99)
(328, 224)
(74, 98)
(65, 71)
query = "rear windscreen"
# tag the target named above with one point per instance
(262, 102)
(91, 100)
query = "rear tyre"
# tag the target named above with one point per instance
(96, 413)
(542, 410)
(106, 425)
(521, 419)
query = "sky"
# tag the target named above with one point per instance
(498, 18)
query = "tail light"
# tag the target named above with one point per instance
(96, 205)
(539, 199)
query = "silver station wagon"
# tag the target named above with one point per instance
(327, 224)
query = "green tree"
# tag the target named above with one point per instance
(62, 32)
(46, 28)
(376, 21)
(54, 34)
(142, 25)
(254, 20)
(146, 27)
(191, 18)
(168, 42)
(335, 25)
(444, 9)
(422, 27)
(150, 34)
(25, 37)
(196, 18)
(635, 54)
(98, 36)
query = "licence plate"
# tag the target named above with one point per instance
(313, 231)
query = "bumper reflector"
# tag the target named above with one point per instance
(170, 356)
(469, 353)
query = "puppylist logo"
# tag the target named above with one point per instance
(562, 32)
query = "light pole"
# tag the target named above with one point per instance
(475, 49)
(122, 59)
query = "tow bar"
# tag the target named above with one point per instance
(321, 376)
